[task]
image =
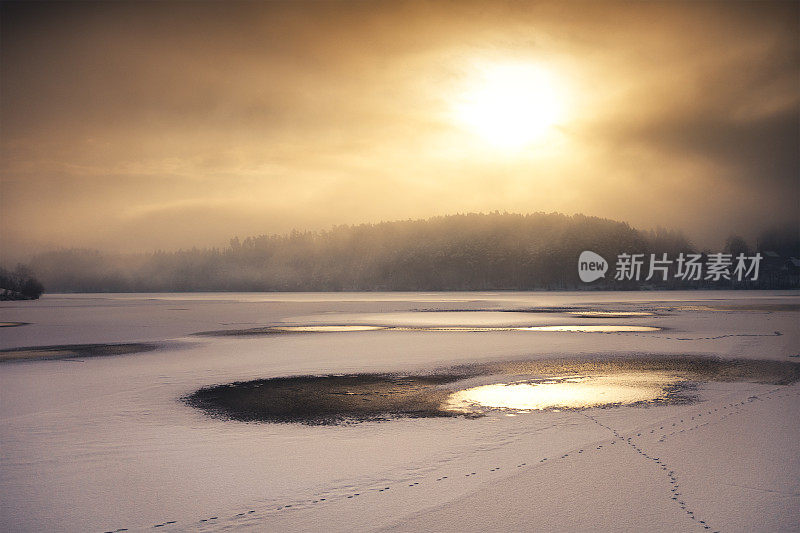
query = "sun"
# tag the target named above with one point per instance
(511, 106)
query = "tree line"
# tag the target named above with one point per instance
(494, 251)
(19, 284)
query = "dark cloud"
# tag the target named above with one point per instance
(759, 150)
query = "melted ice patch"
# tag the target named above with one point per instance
(608, 314)
(607, 328)
(323, 329)
(566, 392)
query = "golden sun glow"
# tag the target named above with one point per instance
(569, 392)
(511, 106)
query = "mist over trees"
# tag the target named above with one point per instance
(19, 284)
(492, 251)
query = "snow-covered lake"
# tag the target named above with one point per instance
(106, 444)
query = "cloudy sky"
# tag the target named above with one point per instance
(158, 125)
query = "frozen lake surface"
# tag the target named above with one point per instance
(105, 443)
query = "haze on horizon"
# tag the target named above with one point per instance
(137, 126)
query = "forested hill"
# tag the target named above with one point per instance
(458, 252)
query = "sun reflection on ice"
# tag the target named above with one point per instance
(569, 392)
(325, 328)
(592, 328)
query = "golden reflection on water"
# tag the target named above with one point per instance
(606, 314)
(568, 392)
(328, 328)
(590, 329)
(579, 329)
